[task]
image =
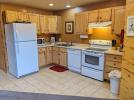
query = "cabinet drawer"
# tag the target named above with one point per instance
(129, 53)
(113, 58)
(63, 50)
(109, 69)
(49, 48)
(41, 50)
(55, 49)
(113, 64)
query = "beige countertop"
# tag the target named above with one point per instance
(114, 52)
(82, 47)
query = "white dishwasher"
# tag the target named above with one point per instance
(74, 60)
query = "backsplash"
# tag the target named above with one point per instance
(100, 33)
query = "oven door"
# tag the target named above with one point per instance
(93, 60)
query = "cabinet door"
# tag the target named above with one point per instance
(63, 59)
(11, 16)
(43, 24)
(93, 16)
(81, 21)
(34, 18)
(52, 24)
(56, 57)
(118, 19)
(48, 57)
(42, 60)
(19, 16)
(105, 14)
(26, 17)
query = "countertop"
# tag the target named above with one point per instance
(82, 47)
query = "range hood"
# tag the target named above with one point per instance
(99, 25)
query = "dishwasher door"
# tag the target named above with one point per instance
(74, 60)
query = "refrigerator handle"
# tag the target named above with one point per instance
(18, 48)
(16, 35)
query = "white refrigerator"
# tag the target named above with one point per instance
(22, 50)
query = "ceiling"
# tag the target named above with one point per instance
(44, 4)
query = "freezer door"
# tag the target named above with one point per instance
(24, 32)
(27, 57)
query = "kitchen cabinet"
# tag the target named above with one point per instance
(11, 16)
(23, 17)
(42, 57)
(112, 62)
(43, 24)
(93, 16)
(63, 57)
(105, 15)
(49, 55)
(101, 15)
(81, 23)
(118, 19)
(54, 24)
(56, 57)
(34, 18)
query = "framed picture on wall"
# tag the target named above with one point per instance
(69, 27)
(130, 26)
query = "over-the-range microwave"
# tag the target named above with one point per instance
(41, 41)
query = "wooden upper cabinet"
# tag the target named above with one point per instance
(81, 23)
(34, 18)
(105, 14)
(11, 16)
(93, 16)
(54, 24)
(26, 17)
(118, 19)
(43, 24)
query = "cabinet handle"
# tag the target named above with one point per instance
(114, 57)
(129, 75)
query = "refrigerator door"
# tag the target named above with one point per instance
(24, 32)
(27, 57)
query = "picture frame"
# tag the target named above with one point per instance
(130, 26)
(69, 27)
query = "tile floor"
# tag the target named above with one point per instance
(65, 83)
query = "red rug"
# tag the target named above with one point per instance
(58, 68)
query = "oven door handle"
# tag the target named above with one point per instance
(92, 54)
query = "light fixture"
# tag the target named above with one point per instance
(51, 4)
(68, 6)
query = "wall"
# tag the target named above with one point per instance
(69, 15)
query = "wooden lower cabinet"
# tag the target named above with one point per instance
(49, 55)
(56, 57)
(112, 62)
(63, 59)
(42, 57)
